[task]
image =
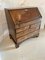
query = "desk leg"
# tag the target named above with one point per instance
(16, 44)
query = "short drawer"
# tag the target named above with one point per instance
(22, 29)
(35, 26)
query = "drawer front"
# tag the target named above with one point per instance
(22, 29)
(27, 23)
(34, 25)
(28, 30)
(27, 36)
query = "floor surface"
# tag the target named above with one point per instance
(32, 49)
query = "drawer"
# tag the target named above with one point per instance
(20, 25)
(22, 29)
(28, 29)
(36, 25)
(27, 36)
(22, 33)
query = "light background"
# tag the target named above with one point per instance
(16, 4)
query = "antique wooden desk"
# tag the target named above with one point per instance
(23, 23)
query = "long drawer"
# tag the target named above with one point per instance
(28, 29)
(27, 36)
(26, 24)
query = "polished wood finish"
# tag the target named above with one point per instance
(23, 23)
